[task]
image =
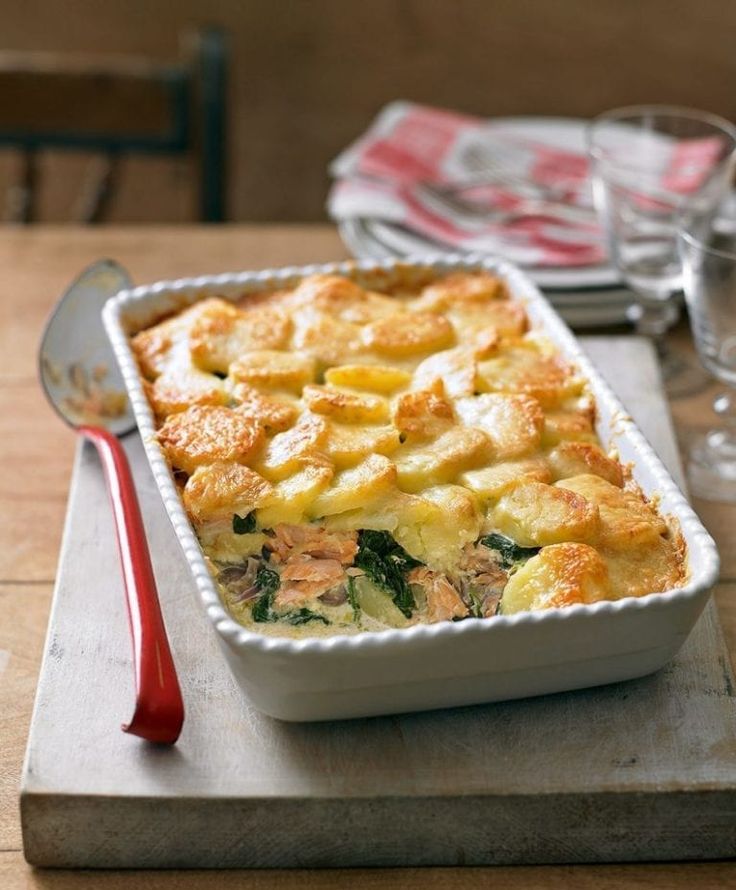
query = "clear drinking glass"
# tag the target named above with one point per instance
(650, 163)
(708, 251)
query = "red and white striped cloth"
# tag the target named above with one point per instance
(538, 194)
(381, 176)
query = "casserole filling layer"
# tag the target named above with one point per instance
(354, 460)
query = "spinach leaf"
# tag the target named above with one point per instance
(353, 597)
(384, 545)
(386, 563)
(243, 525)
(262, 610)
(302, 616)
(509, 550)
(267, 581)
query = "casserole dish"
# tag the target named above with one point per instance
(444, 664)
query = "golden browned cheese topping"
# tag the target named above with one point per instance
(353, 460)
(204, 434)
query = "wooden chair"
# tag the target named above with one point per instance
(116, 107)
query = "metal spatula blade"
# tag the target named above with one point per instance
(76, 363)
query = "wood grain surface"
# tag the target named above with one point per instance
(306, 78)
(35, 266)
(627, 771)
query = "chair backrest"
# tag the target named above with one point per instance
(114, 107)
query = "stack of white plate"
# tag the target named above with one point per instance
(586, 296)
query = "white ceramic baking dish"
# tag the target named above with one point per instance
(445, 664)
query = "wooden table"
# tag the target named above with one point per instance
(36, 452)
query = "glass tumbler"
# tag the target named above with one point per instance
(708, 251)
(649, 165)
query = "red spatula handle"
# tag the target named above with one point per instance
(159, 711)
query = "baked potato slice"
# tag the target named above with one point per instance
(559, 575)
(535, 515)
(462, 289)
(341, 298)
(179, 388)
(578, 458)
(409, 333)
(508, 319)
(347, 445)
(328, 340)
(221, 333)
(457, 369)
(513, 423)
(563, 426)
(423, 413)
(152, 347)
(275, 412)
(345, 407)
(523, 367)
(287, 451)
(489, 483)
(204, 434)
(165, 344)
(292, 496)
(434, 526)
(627, 519)
(360, 486)
(373, 378)
(214, 492)
(421, 465)
(647, 568)
(276, 370)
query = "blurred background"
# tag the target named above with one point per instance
(131, 112)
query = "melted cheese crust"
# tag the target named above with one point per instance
(435, 415)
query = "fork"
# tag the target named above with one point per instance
(446, 199)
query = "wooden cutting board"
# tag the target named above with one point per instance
(641, 770)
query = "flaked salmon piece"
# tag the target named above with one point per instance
(329, 571)
(292, 540)
(488, 579)
(490, 601)
(443, 602)
(482, 565)
(343, 551)
(304, 579)
(481, 578)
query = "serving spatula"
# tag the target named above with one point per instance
(80, 378)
